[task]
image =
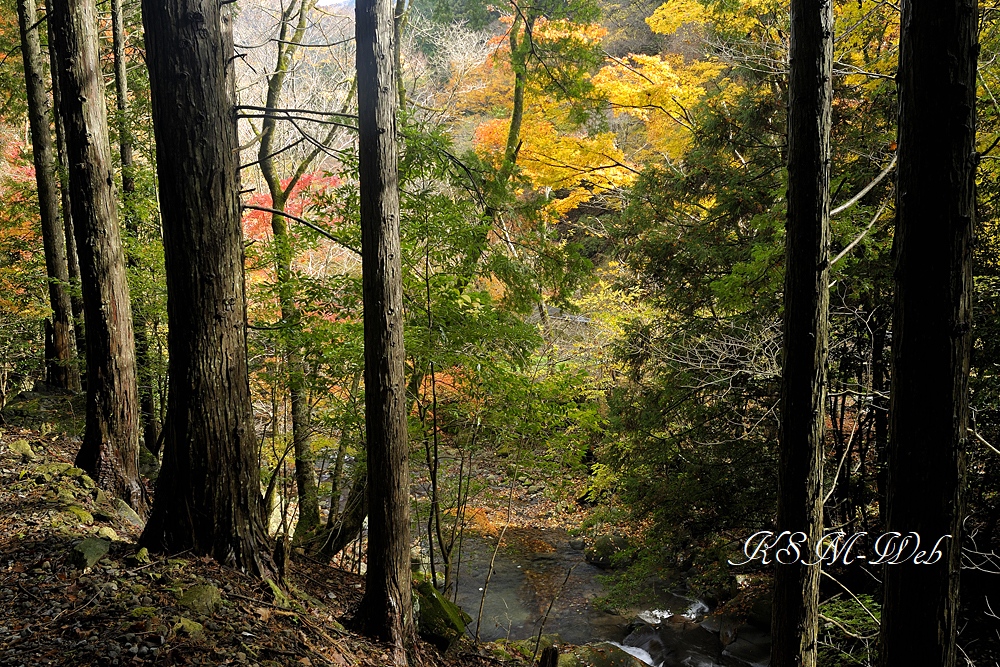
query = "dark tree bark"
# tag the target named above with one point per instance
(72, 258)
(932, 323)
(147, 406)
(807, 295)
(386, 609)
(110, 450)
(208, 494)
(60, 365)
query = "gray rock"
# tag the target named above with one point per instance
(128, 514)
(755, 653)
(89, 551)
(728, 630)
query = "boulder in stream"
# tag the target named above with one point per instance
(604, 551)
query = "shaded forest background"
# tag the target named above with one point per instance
(592, 210)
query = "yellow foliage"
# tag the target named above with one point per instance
(742, 18)
(670, 16)
(659, 90)
(583, 165)
(551, 31)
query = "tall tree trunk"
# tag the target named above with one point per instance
(208, 494)
(305, 459)
(520, 48)
(121, 97)
(60, 367)
(110, 450)
(399, 21)
(386, 609)
(147, 406)
(932, 323)
(807, 295)
(72, 258)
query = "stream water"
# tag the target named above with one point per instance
(535, 567)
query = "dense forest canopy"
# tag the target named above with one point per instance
(586, 214)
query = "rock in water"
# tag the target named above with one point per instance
(604, 551)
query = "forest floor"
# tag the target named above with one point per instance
(132, 609)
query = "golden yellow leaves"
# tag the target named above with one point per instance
(734, 18)
(670, 16)
(660, 91)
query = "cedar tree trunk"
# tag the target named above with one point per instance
(932, 323)
(807, 295)
(72, 258)
(147, 407)
(386, 609)
(208, 493)
(61, 370)
(110, 452)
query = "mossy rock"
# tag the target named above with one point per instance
(149, 464)
(89, 551)
(108, 533)
(23, 449)
(526, 647)
(82, 515)
(185, 626)
(144, 612)
(61, 411)
(439, 621)
(55, 468)
(203, 599)
(599, 655)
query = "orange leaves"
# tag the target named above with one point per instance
(257, 224)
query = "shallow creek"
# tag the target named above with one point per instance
(535, 566)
